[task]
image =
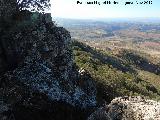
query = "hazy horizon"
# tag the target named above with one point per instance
(62, 21)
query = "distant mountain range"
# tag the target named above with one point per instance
(69, 21)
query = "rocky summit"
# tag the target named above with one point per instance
(46, 76)
(36, 58)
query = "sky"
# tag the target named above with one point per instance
(70, 9)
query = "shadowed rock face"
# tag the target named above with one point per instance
(38, 55)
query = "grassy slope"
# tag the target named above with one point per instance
(115, 75)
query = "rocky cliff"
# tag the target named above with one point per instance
(36, 58)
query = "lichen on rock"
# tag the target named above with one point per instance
(128, 108)
(38, 54)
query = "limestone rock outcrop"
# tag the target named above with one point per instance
(128, 108)
(37, 53)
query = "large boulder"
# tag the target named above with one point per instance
(128, 108)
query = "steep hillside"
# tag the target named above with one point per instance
(118, 76)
